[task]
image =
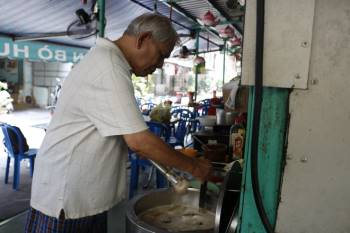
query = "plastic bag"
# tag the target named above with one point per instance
(232, 87)
(161, 113)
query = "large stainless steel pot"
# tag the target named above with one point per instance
(157, 198)
(225, 207)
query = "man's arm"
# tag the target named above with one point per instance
(147, 144)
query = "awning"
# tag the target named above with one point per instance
(21, 17)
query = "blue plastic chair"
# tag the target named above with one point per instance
(202, 110)
(138, 102)
(204, 102)
(147, 108)
(182, 114)
(175, 107)
(180, 131)
(30, 154)
(187, 124)
(136, 163)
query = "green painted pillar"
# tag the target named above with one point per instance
(20, 68)
(101, 20)
(196, 69)
(273, 124)
(224, 65)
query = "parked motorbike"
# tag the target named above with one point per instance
(54, 95)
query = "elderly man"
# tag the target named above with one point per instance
(80, 169)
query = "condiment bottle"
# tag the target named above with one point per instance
(237, 137)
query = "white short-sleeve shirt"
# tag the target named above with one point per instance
(81, 165)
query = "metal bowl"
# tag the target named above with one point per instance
(160, 197)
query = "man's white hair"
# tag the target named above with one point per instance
(159, 25)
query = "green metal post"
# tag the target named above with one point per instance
(196, 69)
(102, 21)
(155, 6)
(223, 68)
(273, 119)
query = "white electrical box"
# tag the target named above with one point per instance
(287, 43)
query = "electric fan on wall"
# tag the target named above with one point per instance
(82, 28)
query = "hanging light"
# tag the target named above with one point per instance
(227, 32)
(198, 60)
(235, 41)
(199, 65)
(209, 19)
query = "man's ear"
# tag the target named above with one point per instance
(142, 38)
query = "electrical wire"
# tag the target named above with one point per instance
(260, 13)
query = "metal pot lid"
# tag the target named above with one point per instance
(226, 216)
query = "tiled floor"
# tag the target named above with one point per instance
(12, 201)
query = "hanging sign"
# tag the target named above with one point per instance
(39, 51)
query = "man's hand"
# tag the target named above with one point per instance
(201, 169)
(152, 147)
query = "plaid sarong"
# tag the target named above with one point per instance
(38, 222)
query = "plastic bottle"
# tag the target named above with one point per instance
(237, 138)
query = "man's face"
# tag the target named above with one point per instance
(151, 54)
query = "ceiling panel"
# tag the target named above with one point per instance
(20, 17)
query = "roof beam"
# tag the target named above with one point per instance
(150, 9)
(186, 14)
(175, 22)
(48, 35)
